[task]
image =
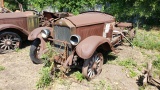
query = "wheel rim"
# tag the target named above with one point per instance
(9, 42)
(94, 66)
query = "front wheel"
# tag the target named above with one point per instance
(93, 66)
(9, 41)
(34, 51)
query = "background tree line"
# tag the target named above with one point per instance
(140, 12)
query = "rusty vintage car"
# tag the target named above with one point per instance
(79, 41)
(15, 27)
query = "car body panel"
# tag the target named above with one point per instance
(87, 47)
(3, 27)
(34, 34)
(26, 20)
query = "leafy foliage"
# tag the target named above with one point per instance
(137, 11)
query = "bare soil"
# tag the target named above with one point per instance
(21, 74)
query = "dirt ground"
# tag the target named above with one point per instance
(21, 74)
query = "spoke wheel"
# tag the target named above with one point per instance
(93, 66)
(9, 41)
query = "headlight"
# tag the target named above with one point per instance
(45, 33)
(75, 39)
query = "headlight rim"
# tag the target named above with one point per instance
(78, 39)
(45, 33)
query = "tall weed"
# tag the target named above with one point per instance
(46, 77)
(147, 40)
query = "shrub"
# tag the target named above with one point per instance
(45, 78)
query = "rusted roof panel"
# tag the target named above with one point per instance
(90, 18)
(16, 14)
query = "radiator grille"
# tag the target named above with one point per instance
(62, 33)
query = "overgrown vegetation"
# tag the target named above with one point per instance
(2, 68)
(147, 40)
(46, 77)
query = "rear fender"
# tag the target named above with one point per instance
(88, 46)
(3, 27)
(35, 33)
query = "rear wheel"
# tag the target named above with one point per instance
(93, 66)
(9, 41)
(34, 51)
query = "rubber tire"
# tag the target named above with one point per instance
(20, 40)
(33, 50)
(86, 65)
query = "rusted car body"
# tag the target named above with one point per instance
(79, 41)
(48, 18)
(15, 27)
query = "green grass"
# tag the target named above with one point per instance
(128, 63)
(132, 73)
(16, 49)
(156, 63)
(79, 76)
(147, 40)
(102, 85)
(2, 68)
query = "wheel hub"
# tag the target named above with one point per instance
(94, 66)
(8, 42)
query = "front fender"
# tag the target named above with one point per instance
(87, 47)
(34, 34)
